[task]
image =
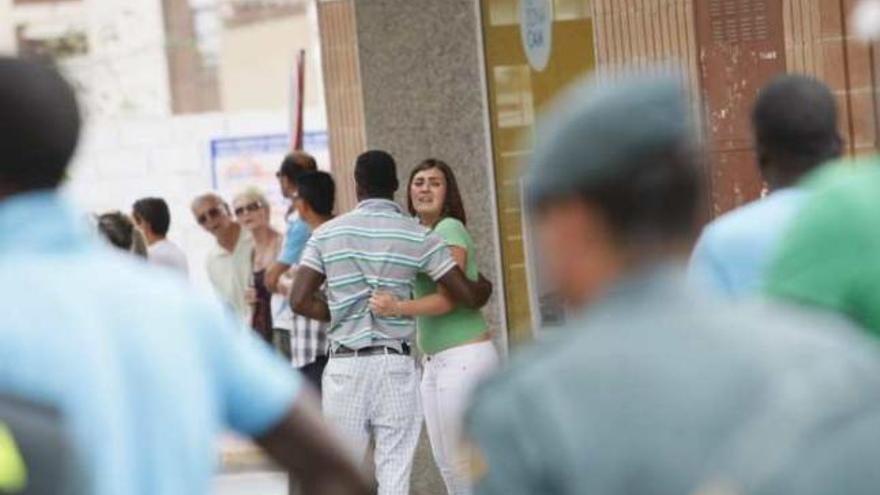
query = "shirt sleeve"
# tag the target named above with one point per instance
(453, 232)
(704, 268)
(816, 263)
(255, 386)
(312, 256)
(294, 242)
(436, 260)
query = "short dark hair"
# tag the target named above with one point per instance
(795, 121)
(651, 203)
(453, 206)
(375, 174)
(153, 211)
(297, 163)
(318, 191)
(39, 124)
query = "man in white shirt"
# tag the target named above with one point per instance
(230, 263)
(152, 218)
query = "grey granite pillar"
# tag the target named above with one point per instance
(421, 73)
(423, 92)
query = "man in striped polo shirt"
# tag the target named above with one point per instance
(371, 384)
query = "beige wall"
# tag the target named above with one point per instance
(421, 73)
(124, 72)
(7, 31)
(257, 60)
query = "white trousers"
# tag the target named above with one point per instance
(377, 395)
(447, 384)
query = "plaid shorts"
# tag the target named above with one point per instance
(304, 343)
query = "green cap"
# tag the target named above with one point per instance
(598, 130)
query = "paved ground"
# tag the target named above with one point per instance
(246, 472)
(254, 483)
(426, 480)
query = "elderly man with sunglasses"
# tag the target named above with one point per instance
(229, 264)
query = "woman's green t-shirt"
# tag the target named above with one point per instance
(438, 333)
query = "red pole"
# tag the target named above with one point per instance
(298, 95)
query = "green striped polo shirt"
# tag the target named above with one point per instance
(375, 246)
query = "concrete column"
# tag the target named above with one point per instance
(414, 87)
(423, 91)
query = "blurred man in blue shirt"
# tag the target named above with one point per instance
(795, 125)
(145, 373)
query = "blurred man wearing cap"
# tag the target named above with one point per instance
(652, 387)
(144, 372)
(370, 385)
(795, 125)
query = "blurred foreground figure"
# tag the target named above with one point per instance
(830, 258)
(35, 455)
(651, 388)
(144, 373)
(795, 126)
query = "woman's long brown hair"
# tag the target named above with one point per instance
(452, 203)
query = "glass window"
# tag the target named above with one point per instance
(517, 92)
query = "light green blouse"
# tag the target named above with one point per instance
(438, 333)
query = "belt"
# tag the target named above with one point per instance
(373, 350)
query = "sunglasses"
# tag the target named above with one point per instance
(214, 212)
(251, 207)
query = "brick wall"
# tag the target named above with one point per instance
(817, 42)
(344, 95)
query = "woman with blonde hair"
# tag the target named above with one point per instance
(251, 209)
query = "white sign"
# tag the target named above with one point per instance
(536, 30)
